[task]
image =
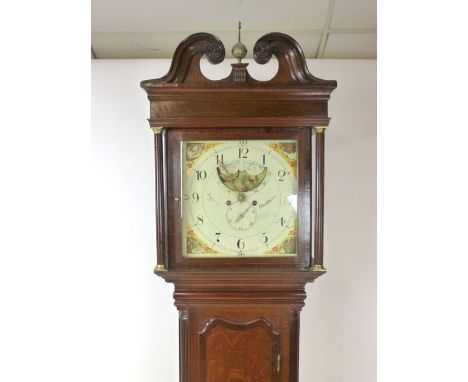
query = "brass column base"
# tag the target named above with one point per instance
(318, 268)
(160, 268)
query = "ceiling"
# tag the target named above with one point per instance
(340, 29)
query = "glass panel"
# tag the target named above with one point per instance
(239, 198)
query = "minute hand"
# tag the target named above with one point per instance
(243, 213)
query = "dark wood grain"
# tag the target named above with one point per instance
(183, 345)
(160, 196)
(262, 108)
(239, 317)
(292, 67)
(246, 123)
(244, 352)
(165, 178)
(319, 197)
(294, 324)
(185, 98)
(185, 66)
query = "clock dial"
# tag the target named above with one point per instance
(239, 198)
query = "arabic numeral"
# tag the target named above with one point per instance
(219, 158)
(243, 151)
(241, 244)
(281, 175)
(199, 220)
(201, 174)
(195, 197)
(265, 238)
(283, 223)
(218, 234)
(264, 159)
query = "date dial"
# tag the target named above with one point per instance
(242, 215)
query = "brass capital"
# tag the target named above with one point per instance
(157, 130)
(319, 129)
(160, 268)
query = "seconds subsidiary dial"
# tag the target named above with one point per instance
(239, 198)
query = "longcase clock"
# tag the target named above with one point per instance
(239, 207)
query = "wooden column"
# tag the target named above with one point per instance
(319, 198)
(159, 154)
(294, 327)
(183, 345)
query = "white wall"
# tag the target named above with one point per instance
(139, 334)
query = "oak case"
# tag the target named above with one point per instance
(239, 317)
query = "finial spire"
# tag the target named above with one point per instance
(239, 50)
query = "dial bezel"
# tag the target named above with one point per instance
(174, 193)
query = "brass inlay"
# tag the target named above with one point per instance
(160, 268)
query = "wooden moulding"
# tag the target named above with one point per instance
(185, 98)
(254, 288)
(178, 261)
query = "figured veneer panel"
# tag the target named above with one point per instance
(239, 352)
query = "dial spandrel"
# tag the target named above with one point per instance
(239, 198)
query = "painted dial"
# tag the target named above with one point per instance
(239, 198)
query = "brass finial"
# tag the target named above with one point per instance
(239, 50)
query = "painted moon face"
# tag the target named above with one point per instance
(241, 181)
